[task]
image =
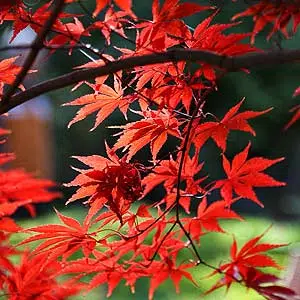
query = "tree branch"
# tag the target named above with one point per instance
(225, 62)
(36, 46)
(48, 47)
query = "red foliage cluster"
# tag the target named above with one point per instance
(122, 237)
(277, 13)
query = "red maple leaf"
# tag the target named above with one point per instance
(219, 131)
(7, 227)
(105, 101)
(7, 6)
(166, 29)
(279, 13)
(122, 4)
(34, 278)
(264, 284)
(113, 22)
(23, 18)
(162, 270)
(68, 33)
(243, 175)
(153, 129)
(166, 172)
(112, 181)
(207, 218)
(19, 188)
(8, 72)
(295, 109)
(63, 240)
(250, 256)
(295, 118)
(211, 38)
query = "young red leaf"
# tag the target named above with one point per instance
(211, 38)
(35, 278)
(21, 189)
(68, 33)
(264, 284)
(113, 22)
(112, 182)
(122, 4)
(207, 218)
(250, 256)
(219, 131)
(166, 172)
(162, 270)
(62, 240)
(105, 101)
(243, 175)
(8, 72)
(153, 129)
(279, 14)
(295, 118)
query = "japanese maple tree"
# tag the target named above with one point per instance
(161, 83)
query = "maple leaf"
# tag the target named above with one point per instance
(23, 18)
(166, 172)
(9, 208)
(296, 92)
(295, 118)
(7, 227)
(207, 218)
(63, 240)
(211, 38)
(166, 29)
(106, 100)
(162, 270)
(9, 70)
(295, 109)
(266, 12)
(71, 33)
(153, 129)
(245, 174)
(169, 84)
(122, 4)
(34, 278)
(19, 188)
(180, 90)
(219, 131)
(7, 6)
(250, 256)
(264, 284)
(111, 181)
(113, 22)
(172, 9)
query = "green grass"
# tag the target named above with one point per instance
(214, 249)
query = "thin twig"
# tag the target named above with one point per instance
(48, 47)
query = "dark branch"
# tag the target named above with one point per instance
(229, 63)
(48, 47)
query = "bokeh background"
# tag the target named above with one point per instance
(44, 145)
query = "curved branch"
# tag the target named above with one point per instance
(226, 62)
(36, 46)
